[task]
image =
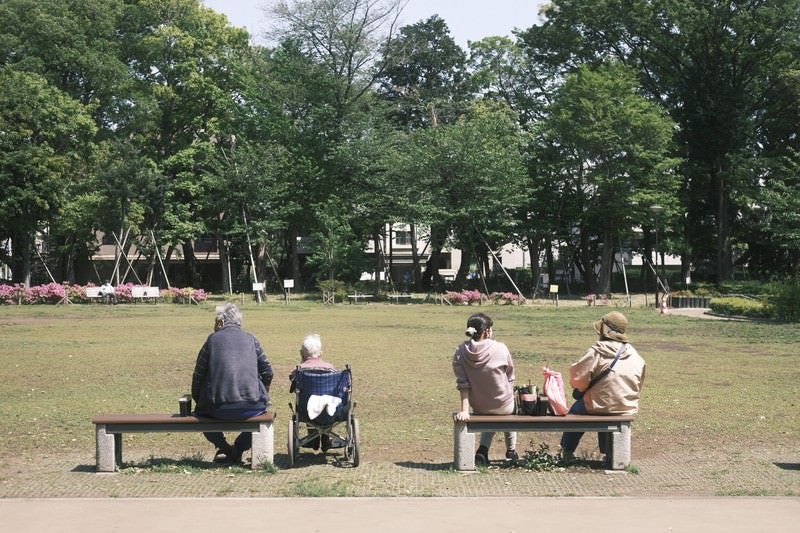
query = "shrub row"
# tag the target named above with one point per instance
(53, 293)
(781, 302)
(467, 297)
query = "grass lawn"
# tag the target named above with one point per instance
(712, 386)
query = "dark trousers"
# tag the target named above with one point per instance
(245, 439)
(570, 440)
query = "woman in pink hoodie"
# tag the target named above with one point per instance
(485, 380)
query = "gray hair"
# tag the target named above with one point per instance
(311, 348)
(229, 314)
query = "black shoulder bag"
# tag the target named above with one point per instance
(577, 395)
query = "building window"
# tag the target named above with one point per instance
(402, 238)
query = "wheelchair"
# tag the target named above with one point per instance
(331, 423)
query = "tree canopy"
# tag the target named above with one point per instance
(159, 124)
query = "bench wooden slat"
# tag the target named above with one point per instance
(158, 418)
(566, 419)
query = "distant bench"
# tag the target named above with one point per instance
(618, 427)
(397, 296)
(353, 298)
(109, 430)
(93, 293)
(145, 293)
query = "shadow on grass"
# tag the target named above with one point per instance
(433, 467)
(161, 464)
(306, 460)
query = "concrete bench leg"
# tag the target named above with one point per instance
(619, 453)
(463, 447)
(106, 453)
(263, 445)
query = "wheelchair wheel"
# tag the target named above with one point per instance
(352, 449)
(291, 442)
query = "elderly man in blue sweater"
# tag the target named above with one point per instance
(231, 380)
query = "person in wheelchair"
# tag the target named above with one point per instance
(311, 359)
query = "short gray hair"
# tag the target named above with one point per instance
(229, 314)
(311, 348)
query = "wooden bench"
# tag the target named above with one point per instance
(109, 430)
(618, 427)
(145, 293)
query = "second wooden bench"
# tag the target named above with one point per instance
(619, 428)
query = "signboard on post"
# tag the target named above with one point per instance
(288, 285)
(554, 293)
(258, 287)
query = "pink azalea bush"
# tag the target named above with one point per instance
(53, 293)
(185, 295)
(504, 298)
(465, 297)
(13, 294)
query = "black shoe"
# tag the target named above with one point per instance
(326, 443)
(228, 455)
(482, 456)
(220, 457)
(511, 455)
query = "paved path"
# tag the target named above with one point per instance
(389, 515)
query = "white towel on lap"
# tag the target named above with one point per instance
(317, 404)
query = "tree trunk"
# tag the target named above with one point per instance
(415, 257)
(294, 259)
(261, 264)
(431, 278)
(190, 264)
(379, 261)
(586, 262)
(534, 250)
(607, 259)
(22, 248)
(467, 253)
(225, 264)
(724, 255)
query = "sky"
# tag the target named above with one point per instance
(468, 20)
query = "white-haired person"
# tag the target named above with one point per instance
(311, 359)
(231, 380)
(484, 374)
(607, 380)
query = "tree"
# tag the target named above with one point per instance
(425, 83)
(330, 56)
(715, 66)
(74, 45)
(346, 37)
(43, 136)
(469, 177)
(615, 145)
(183, 59)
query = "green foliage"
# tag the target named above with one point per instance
(700, 60)
(540, 460)
(337, 288)
(785, 301)
(737, 306)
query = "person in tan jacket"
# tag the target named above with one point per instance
(607, 380)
